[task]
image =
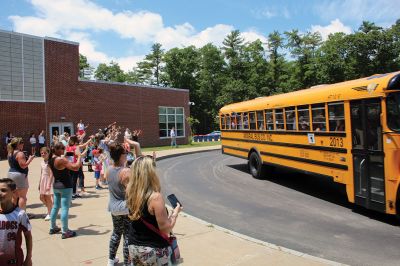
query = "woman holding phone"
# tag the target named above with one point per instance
(147, 208)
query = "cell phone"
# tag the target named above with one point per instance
(173, 200)
(69, 153)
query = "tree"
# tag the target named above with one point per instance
(233, 45)
(85, 70)
(149, 70)
(111, 72)
(303, 48)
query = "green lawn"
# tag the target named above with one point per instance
(193, 145)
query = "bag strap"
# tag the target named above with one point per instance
(157, 231)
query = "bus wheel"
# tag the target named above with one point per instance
(256, 168)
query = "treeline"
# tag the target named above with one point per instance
(242, 70)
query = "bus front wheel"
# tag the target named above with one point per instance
(256, 168)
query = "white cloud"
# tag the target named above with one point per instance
(271, 12)
(379, 11)
(335, 26)
(77, 20)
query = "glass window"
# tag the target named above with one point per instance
(336, 117)
(269, 119)
(318, 117)
(228, 122)
(245, 117)
(393, 111)
(290, 118)
(252, 116)
(239, 121)
(260, 120)
(279, 121)
(303, 114)
(169, 117)
(223, 122)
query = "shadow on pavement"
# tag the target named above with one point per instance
(85, 230)
(319, 187)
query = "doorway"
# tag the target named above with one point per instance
(368, 155)
(58, 128)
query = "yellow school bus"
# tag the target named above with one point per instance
(349, 131)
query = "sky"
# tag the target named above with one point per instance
(124, 30)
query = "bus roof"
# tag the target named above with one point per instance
(368, 87)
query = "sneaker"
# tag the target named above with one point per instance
(113, 262)
(68, 234)
(47, 218)
(78, 196)
(99, 187)
(74, 196)
(54, 230)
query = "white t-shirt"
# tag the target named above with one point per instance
(81, 126)
(41, 139)
(172, 134)
(32, 140)
(11, 227)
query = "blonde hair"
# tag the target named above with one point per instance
(12, 146)
(143, 182)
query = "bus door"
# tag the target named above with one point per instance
(368, 155)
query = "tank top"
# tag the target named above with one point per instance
(62, 178)
(14, 165)
(140, 235)
(117, 202)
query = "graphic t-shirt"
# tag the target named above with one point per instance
(11, 227)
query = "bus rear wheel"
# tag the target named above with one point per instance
(256, 168)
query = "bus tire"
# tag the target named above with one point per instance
(256, 168)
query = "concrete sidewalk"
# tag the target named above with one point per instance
(200, 243)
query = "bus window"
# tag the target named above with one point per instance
(223, 122)
(318, 117)
(245, 117)
(239, 121)
(269, 119)
(232, 121)
(228, 122)
(252, 120)
(260, 120)
(336, 117)
(303, 113)
(290, 118)
(280, 125)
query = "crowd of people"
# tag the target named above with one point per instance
(136, 205)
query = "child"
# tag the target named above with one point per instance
(46, 182)
(13, 222)
(98, 165)
(32, 140)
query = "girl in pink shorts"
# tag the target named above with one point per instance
(46, 182)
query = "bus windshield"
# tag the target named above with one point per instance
(393, 111)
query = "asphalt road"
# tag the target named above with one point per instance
(297, 211)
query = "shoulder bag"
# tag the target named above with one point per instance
(173, 242)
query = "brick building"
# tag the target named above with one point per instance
(40, 89)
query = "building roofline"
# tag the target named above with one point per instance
(60, 40)
(133, 85)
(38, 37)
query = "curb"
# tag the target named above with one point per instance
(244, 237)
(184, 153)
(263, 243)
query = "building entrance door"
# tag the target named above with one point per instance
(59, 128)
